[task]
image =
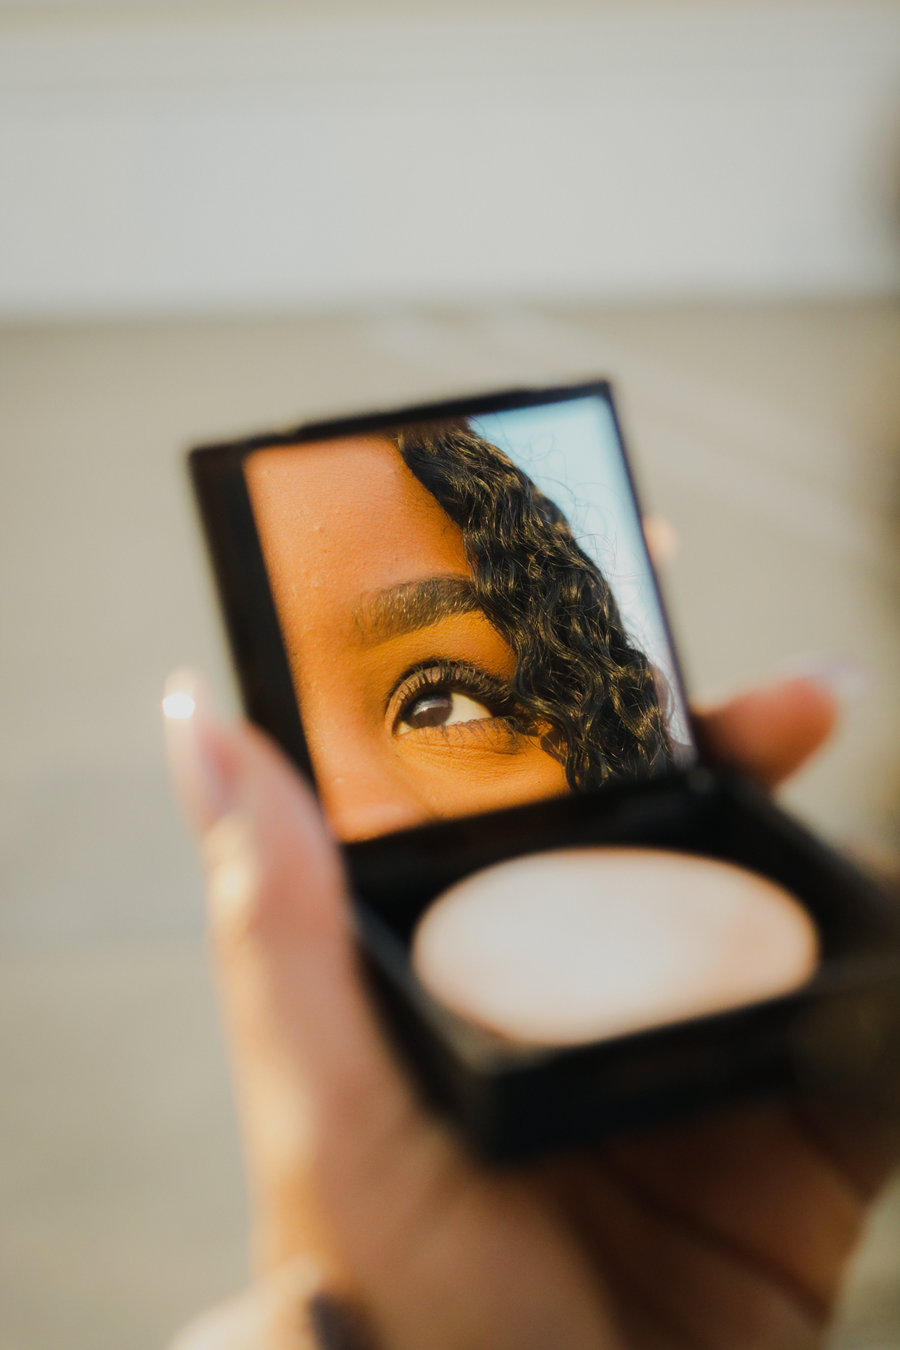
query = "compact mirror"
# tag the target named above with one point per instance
(449, 619)
(468, 609)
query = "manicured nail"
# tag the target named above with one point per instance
(847, 678)
(194, 748)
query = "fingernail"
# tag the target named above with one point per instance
(196, 749)
(847, 678)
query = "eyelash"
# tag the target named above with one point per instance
(454, 677)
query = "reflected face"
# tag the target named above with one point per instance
(402, 681)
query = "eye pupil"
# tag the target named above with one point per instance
(430, 710)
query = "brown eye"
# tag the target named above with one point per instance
(441, 708)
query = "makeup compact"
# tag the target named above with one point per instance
(572, 925)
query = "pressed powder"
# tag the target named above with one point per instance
(576, 945)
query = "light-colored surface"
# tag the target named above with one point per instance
(196, 157)
(581, 944)
(768, 434)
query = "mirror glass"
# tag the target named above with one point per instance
(469, 613)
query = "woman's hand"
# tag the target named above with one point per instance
(728, 1233)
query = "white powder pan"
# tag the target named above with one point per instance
(577, 945)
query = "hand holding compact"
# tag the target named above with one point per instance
(731, 1233)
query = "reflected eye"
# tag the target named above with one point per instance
(442, 693)
(440, 708)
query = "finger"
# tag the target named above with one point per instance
(753, 1182)
(769, 732)
(399, 1219)
(200, 762)
(862, 1134)
(346, 1167)
(308, 1057)
(322, 1086)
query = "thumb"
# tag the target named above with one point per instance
(319, 1093)
(770, 731)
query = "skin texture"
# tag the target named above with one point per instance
(730, 1234)
(342, 524)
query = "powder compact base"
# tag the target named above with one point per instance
(839, 1032)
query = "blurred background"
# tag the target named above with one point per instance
(215, 217)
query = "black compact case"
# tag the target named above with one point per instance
(840, 1032)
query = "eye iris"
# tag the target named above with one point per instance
(430, 710)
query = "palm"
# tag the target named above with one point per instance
(732, 1233)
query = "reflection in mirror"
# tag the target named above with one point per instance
(469, 613)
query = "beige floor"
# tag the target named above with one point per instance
(770, 435)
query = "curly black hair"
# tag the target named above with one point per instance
(576, 670)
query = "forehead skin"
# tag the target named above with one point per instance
(341, 519)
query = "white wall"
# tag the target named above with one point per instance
(205, 157)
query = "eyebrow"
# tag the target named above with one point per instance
(412, 605)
